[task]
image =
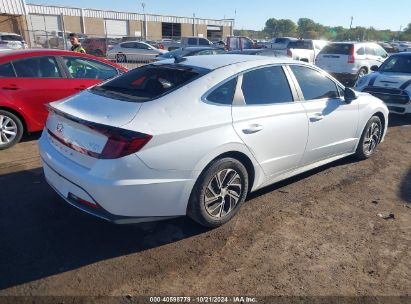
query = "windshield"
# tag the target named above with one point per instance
(11, 38)
(301, 44)
(397, 64)
(149, 82)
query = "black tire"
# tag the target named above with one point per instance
(197, 209)
(9, 120)
(361, 73)
(370, 138)
(121, 58)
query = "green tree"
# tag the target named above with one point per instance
(280, 28)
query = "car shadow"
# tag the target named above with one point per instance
(341, 162)
(405, 188)
(42, 236)
(31, 137)
(396, 120)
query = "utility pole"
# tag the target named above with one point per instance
(352, 18)
(144, 29)
(399, 33)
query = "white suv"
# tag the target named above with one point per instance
(349, 61)
(12, 41)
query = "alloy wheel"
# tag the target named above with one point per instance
(223, 193)
(372, 138)
(8, 130)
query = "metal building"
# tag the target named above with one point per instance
(39, 22)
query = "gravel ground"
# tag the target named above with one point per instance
(317, 234)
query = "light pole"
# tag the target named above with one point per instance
(235, 16)
(144, 29)
(399, 33)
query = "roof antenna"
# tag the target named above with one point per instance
(178, 59)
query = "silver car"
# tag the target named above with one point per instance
(133, 51)
(193, 136)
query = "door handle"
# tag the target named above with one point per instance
(316, 117)
(253, 129)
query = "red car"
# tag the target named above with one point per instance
(29, 79)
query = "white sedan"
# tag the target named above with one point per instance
(133, 51)
(193, 136)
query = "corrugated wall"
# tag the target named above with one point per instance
(13, 7)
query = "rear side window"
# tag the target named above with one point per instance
(313, 84)
(82, 68)
(337, 49)
(192, 41)
(149, 82)
(128, 45)
(37, 67)
(224, 94)
(6, 70)
(266, 86)
(361, 51)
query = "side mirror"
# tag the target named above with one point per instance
(374, 68)
(350, 95)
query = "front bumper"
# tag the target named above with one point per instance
(123, 190)
(397, 100)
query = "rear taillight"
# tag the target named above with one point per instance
(122, 145)
(289, 53)
(120, 142)
(161, 47)
(351, 57)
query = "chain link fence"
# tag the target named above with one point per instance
(125, 50)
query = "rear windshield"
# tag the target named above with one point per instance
(149, 82)
(11, 38)
(337, 49)
(300, 44)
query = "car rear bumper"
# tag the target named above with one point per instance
(152, 195)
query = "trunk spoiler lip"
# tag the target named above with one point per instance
(98, 127)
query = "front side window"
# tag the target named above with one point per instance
(203, 41)
(379, 51)
(313, 84)
(266, 86)
(128, 45)
(142, 46)
(224, 94)
(82, 68)
(149, 82)
(6, 70)
(37, 67)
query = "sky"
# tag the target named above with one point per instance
(252, 14)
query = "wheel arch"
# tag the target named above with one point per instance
(19, 115)
(381, 116)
